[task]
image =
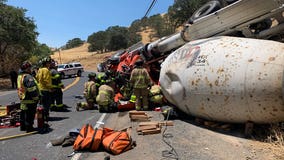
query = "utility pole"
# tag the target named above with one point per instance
(59, 56)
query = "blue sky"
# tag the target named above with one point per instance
(61, 20)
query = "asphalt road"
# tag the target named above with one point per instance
(38, 146)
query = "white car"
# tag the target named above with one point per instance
(70, 69)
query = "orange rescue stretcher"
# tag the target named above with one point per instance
(123, 105)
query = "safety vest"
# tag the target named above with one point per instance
(22, 90)
(56, 79)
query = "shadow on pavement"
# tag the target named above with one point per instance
(57, 118)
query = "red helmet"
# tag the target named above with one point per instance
(25, 65)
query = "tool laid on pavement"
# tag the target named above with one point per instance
(11, 117)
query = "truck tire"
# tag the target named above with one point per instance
(204, 10)
(79, 73)
(62, 75)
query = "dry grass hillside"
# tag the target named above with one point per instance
(80, 54)
(90, 59)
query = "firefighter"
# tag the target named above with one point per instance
(155, 96)
(90, 93)
(28, 93)
(105, 98)
(100, 79)
(140, 80)
(126, 91)
(57, 86)
(45, 86)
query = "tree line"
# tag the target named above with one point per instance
(118, 37)
(18, 35)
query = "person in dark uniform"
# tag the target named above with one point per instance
(13, 78)
(57, 86)
(28, 93)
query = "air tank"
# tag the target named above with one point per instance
(227, 79)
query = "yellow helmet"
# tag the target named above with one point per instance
(132, 98)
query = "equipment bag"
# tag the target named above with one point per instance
(117, 142)
(126, 106)
(88, 138)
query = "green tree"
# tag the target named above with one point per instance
(133, 30)
(161, 25)
(117, 42)
(97, 41)
(40, 51)
(17, 33)
(114, 33)
(182, 10)
(75, 42)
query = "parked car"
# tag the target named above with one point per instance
(78, 67)
(70, 69)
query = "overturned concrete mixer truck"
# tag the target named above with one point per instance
(226, 65)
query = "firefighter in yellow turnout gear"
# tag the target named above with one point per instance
(57, 86)
(156, 97)
(140, 80)
(43, 77)
(28, 93)
(90, 93)
(105, 98)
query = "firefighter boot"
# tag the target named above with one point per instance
(22, 127)
(78, 106)
(30, 129)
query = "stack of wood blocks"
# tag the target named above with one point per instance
(154, 127)
(145, 126)
(139, 116)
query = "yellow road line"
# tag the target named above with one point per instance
(30, 133)
(18, 135)
(72, 84)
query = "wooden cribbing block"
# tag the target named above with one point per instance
(137, 113)
(163, 123)
(149, 127)
(151, 131)
(139, 118)
(167, 123)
